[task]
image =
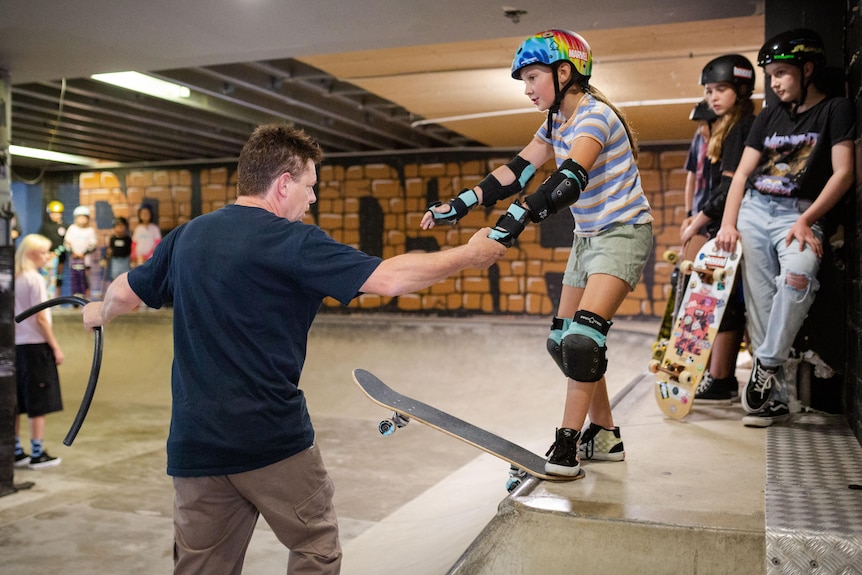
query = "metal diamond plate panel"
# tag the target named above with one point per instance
(813, 498)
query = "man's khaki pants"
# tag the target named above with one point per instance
(214, 517)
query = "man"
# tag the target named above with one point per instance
(245, 282)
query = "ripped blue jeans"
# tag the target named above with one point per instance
(780, 281)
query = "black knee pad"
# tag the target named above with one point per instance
(555, 339)
(583, 347)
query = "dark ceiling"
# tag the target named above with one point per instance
(249, 62)
(93, 119)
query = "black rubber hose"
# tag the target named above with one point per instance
(98, 345)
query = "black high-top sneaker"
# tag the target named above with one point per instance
(563, 453)
(714, 391)
(761, 386)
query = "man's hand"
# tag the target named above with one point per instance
(486, 251)
(92, 313)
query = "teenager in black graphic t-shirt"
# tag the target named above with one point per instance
(797, 164)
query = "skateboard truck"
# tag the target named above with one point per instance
(389, 426)
(516, 477)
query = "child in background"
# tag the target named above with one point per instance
(80, 242)
(146, 236)
(37, 352)
(696, 188)
(728, 82)
(54, 229)
(119, 249)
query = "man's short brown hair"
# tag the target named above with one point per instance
(271, 150)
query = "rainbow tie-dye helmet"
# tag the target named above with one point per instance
(552, 47)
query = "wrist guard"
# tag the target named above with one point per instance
(458, 208)
(510, 225)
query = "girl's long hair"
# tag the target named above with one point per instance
(722, 126)
(598, 95)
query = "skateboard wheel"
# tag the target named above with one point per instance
(686, 267)
(719, 275)
(653, 366)
(670, 256)
(685, 378)
(386, 427)
(512, 484)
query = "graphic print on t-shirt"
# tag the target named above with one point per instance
(785, 161)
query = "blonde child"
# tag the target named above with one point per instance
(36, 350)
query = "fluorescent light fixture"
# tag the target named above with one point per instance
(669, 101)
(632, 104)
(25, 152)
(145, 85)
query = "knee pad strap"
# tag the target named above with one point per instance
(555, 339)
(583, 347)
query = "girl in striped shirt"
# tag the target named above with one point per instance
(598, 180)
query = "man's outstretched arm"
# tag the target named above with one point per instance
(119, 299)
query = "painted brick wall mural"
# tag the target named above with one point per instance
(376, 205)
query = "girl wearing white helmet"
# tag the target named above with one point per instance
(797, 164)
(80, 241)
(598, 180)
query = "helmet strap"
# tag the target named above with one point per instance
(803, 95)
(559, 94)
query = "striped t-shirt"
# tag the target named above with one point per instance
(614, 195)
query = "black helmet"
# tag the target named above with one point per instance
(702, 113)
(794, 47)
(732, 68)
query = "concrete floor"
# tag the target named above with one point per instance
(413, 502)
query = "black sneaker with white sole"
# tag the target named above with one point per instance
(563, 453)
(22, 459)
(772, 412)
(760, 388)
(715, 391)
(43, 460)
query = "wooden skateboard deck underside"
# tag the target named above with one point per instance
(514, 454)
(677, 290)
(701, 309)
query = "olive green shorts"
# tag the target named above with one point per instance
(622, 251)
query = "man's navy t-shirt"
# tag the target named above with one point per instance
(245, 286)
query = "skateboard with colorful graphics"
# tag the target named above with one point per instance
(678, 281)
(712, 277)
(406, 409)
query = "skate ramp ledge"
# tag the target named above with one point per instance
(526, 538)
